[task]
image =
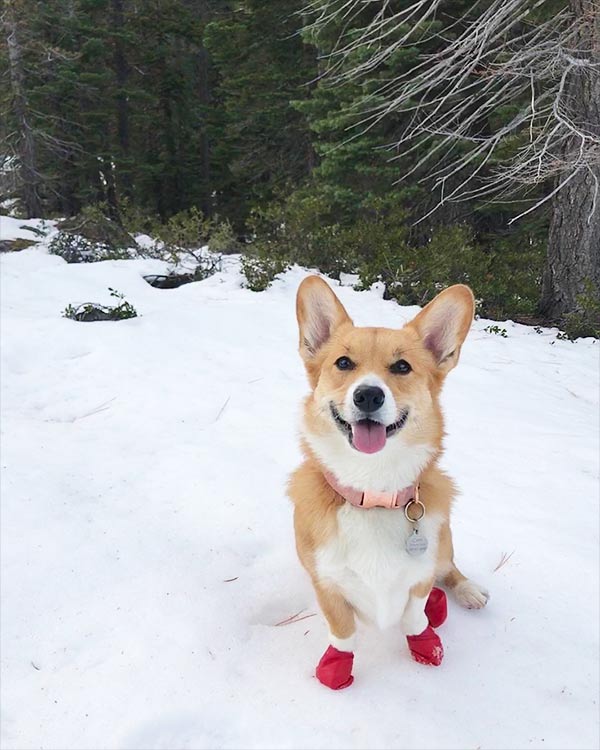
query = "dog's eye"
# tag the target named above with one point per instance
(344, 363)
(401, 367)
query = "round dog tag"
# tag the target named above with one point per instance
(416, 544)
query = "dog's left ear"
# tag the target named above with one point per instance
(443, 324)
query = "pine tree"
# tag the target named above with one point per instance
(261, 143)
(25, 143)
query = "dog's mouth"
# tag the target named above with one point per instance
(367, 435)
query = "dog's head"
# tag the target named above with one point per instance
(374, 405)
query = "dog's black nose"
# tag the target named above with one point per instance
(368, 398)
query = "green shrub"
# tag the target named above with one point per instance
(415, 274)
(260, 269)
(302, 231)
(185, 236)
(92, 311)
(207, 264)
(185, 230)
(585, 321)
(93, 225)
(497, 331)
(505, 281)
(77, 249)
(138, 221)
(222, 239)
(511, 285)
(379, 243)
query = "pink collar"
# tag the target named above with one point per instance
(370, 499)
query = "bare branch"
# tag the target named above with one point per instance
(501, 56)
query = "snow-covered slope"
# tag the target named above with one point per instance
(147, 544)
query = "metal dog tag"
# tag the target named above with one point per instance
(416, 544)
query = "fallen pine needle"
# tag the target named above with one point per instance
(222, 409)
(288, 619)
(305, 617)
(229, 580)
(295, 618)
(503, 560)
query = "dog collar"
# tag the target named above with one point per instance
(369, 499)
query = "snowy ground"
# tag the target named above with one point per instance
(147, 545)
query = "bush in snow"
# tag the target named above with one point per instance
(223, 239)
(93, 224)
(260, 269)
(92, 311)
(185, 230)
(585, 321)
(496, 330)
(189, 230)
(77, 249)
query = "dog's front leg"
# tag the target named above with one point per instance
(425, 609)
(414, 619)
(335, 667)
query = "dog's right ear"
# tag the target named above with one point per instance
(319, 313)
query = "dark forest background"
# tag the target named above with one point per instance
(221, 115)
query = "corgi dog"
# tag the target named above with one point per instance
(371, 505)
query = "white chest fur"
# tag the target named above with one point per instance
(367, 560)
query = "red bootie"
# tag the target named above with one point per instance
(426, 648)
(436, 608)
(335, 669)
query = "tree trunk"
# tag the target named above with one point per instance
(573, 260)
(204, 99)
(170, 192)
(122, 75)
(26, 149)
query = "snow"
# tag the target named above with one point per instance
(12, 228)
(147, 543)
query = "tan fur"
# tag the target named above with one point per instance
(432, 351)
(448, 573)
(339, 614)
(421, 590)
(315, 509)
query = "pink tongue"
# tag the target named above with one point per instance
(368, 437)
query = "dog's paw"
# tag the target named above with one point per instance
(426, 648)
(436, 608)
(335, 669)
(470, 595)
